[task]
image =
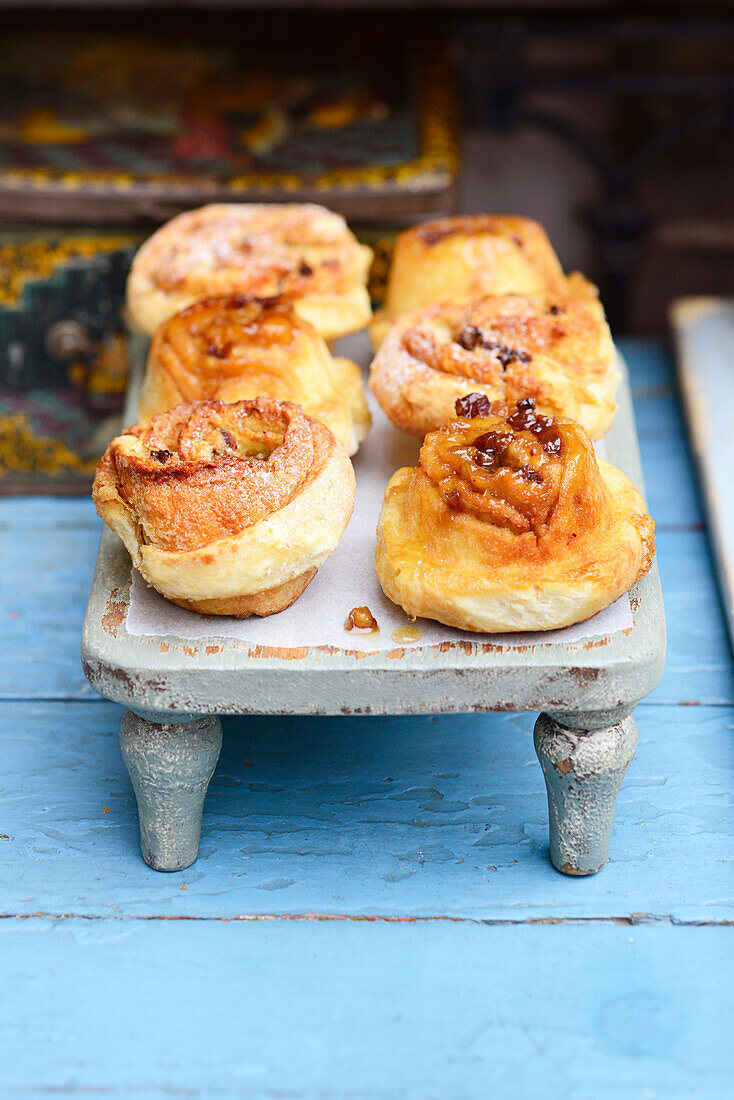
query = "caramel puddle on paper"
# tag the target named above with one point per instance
(407, 634)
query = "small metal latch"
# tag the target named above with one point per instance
(67, 340)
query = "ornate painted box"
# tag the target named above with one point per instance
(119, 128)
(129, 129)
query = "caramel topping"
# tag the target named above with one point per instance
(472, 337)
(473, 404)
(406, 634)
(220, 338)
(512, 467)
(360, 618)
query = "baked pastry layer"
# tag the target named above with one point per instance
(237, 347)
(227, 509)
(461, 258)
(553, 346)
(299, 249)
(268, 602)
(509, 523)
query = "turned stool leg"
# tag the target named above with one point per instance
(583, 769)
(170, 766)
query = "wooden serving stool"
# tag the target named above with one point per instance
(171, 735)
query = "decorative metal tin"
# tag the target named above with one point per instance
(63, 361)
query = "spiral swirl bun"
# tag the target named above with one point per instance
(555, 348)
(457, 259)
(510, 523)
(227, 508)
(236, 346)
(301, 250)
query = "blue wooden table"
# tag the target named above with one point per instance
(368, 917)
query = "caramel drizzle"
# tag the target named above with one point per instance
(505, 465)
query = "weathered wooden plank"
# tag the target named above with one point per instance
(699, 660)
(410, 816)
(375, 1011)
(402, 817)
(47, 550)
(650, 365)
(669, 477)
(672, 495)
(699, 664)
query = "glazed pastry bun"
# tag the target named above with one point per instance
(227, 509)
(298, 249)
(235, 347)
(555, 347)
(457, 259)
(510, 523)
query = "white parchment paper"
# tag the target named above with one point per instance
(348, 578)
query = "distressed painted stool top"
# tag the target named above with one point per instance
(229, 676)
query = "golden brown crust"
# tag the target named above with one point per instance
(236, 347)
(457, 259)
(509, 523)
(218, 503)
(299, 249)
(268, 602)
(555, 347)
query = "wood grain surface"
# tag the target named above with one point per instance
(368, 918)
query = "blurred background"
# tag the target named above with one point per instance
(613, 124)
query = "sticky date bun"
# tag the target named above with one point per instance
(236, 347)
(554, 347)
(510, 523)
(461, 258)
(299, 249)
(227, 509)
